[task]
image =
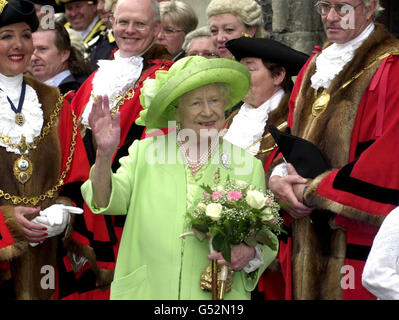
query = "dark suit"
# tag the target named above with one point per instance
(103, 48)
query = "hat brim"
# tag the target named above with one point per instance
(208, 71)
(268, 50)
(17, 12)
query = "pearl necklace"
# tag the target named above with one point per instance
(196, 164)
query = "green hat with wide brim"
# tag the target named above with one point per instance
(159, 96)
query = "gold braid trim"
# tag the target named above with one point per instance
(261, 151)
(53, 191)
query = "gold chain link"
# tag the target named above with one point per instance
(51, 192)
(127, 95)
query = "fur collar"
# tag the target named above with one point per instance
(334, 126)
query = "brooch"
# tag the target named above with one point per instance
(225, 160)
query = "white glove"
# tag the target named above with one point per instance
(55, 218)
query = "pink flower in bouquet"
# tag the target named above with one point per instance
(234, 195)
(216, 195)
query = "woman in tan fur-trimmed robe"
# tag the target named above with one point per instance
(39, 153)
(272, 65)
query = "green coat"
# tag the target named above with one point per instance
(153, 262)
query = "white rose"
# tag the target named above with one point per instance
(267, 214)
(214, 211)
(201, 206)
(219, 188)
(241, 184)
(255, 199)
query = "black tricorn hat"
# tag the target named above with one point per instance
(15, 11)
(57, 8)
(268, 50)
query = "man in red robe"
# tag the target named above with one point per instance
(345, 102)
(95, 239)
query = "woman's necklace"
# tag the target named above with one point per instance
(197, 163)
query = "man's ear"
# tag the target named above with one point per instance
(65, 55)
(157, 29)
(371, 9)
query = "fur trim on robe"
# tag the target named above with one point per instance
(316, 266)
(26, 261)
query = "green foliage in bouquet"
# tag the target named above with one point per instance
(234, 213)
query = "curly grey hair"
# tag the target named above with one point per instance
(378, 8)
(250, 12)
(202, 32)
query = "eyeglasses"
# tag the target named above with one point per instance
(168, 31)
(205, 54)
(341, 8)
(138, 25)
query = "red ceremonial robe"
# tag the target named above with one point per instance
(97, 237)
(357, 133)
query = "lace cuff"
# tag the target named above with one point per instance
(256, 262)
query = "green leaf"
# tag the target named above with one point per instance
(207, 189)
(251, 241)
(226, 251)
(217, 241)
(202, 227)
(285, 204)
(264, 237)
(199, 234)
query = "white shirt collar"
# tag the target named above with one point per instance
(11, 85)
(86, 32)
(114, 78)
(334, 58)
(58, 78)
(249, 123)
(31, 110)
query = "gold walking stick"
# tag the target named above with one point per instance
(214, 279)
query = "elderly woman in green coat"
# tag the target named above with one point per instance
(159, 182)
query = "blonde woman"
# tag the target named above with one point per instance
(177, 19)
(229, 20)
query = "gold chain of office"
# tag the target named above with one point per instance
(51, 192)
(322, 99)
(120, 98)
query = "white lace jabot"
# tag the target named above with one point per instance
(249, 123)
(31, 110)
(113, 78)
(334, 58)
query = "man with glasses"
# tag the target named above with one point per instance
(345, 101)
(96, 238)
